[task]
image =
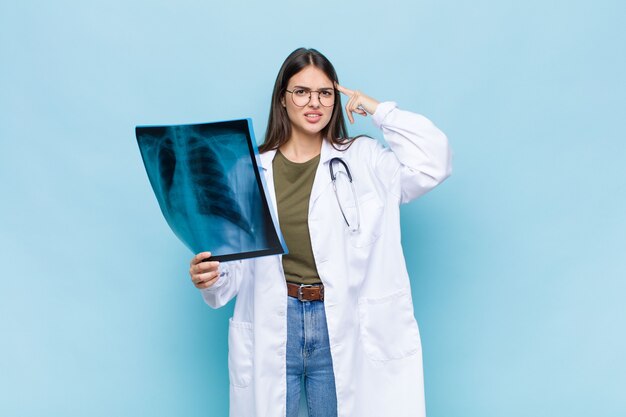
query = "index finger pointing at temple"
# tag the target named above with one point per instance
(344, 90)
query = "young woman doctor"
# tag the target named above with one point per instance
(337, 310)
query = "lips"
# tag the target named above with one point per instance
(313, 116)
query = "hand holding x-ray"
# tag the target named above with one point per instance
(204, 273)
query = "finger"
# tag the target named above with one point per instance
(344, 90)
(354, 101)
(204, 267)
(204, 278)
(200, 257)
(353, 104)
(201, 278)
(357, 103)
(208, 266)
(349, 113)
(206, 284)
(204, 281)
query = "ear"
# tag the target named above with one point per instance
(282, 101)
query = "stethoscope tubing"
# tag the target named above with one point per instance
(333, 177)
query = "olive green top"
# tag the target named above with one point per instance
(293, 183)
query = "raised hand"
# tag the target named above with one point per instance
(357, 102)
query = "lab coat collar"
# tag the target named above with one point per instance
(321, 181)
(266, 159)
(327, 153)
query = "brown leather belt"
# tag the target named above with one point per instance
(306, 292)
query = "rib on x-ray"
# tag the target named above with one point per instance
(208, 185)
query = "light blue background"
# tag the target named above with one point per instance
(518, 261)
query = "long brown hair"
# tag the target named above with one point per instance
(278, 126)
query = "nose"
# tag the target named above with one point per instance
(314, 100)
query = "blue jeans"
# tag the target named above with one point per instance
(308, 356)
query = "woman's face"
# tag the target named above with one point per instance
(313, 116)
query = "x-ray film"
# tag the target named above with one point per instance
(208, 184)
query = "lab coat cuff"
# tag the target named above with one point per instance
(382, 111)
(223, 278)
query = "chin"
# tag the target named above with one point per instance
(311, 130)
(316, 132)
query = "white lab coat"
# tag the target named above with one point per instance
(374, 338)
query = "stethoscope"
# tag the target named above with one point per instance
(333, 177)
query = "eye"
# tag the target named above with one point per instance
(299, 92)
(326, 93)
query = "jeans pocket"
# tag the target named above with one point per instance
(240, 353)
(388, 327)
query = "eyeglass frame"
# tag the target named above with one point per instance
(334, 90)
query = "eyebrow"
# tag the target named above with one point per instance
(308, 88)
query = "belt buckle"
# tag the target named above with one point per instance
(300, 291)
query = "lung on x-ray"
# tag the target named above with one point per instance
(208, 184)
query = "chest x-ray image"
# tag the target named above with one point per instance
(208, 185)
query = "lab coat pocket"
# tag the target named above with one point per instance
(240, 351)
(370, 210)
(388, 327)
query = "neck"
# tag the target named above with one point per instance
(301, 148)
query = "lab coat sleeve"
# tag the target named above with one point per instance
(418, 157)
(226, 286)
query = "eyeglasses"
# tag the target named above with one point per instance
(302, 96)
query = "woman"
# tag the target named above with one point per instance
(337, 309)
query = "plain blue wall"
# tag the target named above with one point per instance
(518, 261)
